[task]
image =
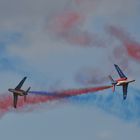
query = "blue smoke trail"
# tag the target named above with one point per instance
(114, 104)
(43, 93)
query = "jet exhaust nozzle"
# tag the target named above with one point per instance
(113, 87)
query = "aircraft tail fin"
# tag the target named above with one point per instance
(26, 93)
(113, 82)
(28, 90)
(111, 79)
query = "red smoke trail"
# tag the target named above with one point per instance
(79, 38)
(67, 25)
(70, 92)
(119, 33)
(74, 92)
(6, 101)
(132, 47)
(84, 39)
(63, 23)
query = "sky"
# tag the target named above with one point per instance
(68, 44)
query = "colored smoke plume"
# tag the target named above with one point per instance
(67, 26)
(63, 23)
(6, 101)
(70, 92)
(79, 38)
(132, 47)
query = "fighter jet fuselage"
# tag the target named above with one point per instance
(124, 82)
(18, 92)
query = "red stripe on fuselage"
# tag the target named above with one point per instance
(121, 79)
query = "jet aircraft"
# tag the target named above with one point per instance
(19, 92)
(122, 81)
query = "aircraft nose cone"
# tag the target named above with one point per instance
(9, 90)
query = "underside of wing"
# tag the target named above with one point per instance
(121, 74)
(125, 87)
(21, 83)
(15, 100)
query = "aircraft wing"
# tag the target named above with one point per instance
(121, 74)
(15, 100)
(125, 87)
(21, 83)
